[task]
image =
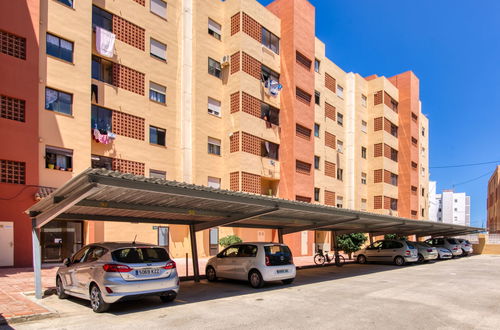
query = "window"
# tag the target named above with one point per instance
(68, 3)
(302, 132)
(394, 179)
(59, 48)
(101, 119)
(214, 29)
(423, 212)
(363, 178)
(316, 65)
(102, 162)
(423, 192)
(102, 69)
(316, 162)
(269, 150)
(58, 159)
(363, 204)
(340, 91)
(340, 119)
(317, 97)
(316, 194)
(316, 130)
(414, 141)
(394, 204)
(157, 93)
(423, 131)
(455, 209)
(12, 45)
(423, 171)
(364, 126)
(157, 135)
(58, 101)
(158, 49)
(213, 146)
(414, 117)
(302, 167)
(456, 200)
(363, 100)
(159, 7)
(394, 155)
(269, 113)
(214, 182)
(270, 40)
(155, 174)
(340, 174)
(363, 152)
(303, 95)
(214, 68)
(102, 19)
(303, 60)
(394, 130)
(423, 151)
(413, 190)
(268, 74)
(340, 202)
(414, 165)
(213, 107)
(340, 146)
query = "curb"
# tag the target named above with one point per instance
(31, 317)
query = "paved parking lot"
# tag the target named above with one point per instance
(455, 294)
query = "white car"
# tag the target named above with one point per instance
(448, 243)
(255, 262)
(444, 253)
(466, 246)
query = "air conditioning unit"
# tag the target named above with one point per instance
(225, 60)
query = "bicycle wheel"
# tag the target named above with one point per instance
(319, 259)
(340, 261)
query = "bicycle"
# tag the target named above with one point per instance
(320, 258)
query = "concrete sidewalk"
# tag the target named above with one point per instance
(14, 282)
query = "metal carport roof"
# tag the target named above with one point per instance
(103, 195)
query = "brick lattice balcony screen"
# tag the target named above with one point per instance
(377, 202)
(377, 150)
(251, 144)
(377, 98)
(303, 199)
(330, 140)
(12, 171)
(302, 167)
(329, 198)
(235, 102)
(330, 83)
(12, 45)
(302, 132)
(330, 111)
(234, 142)
(141, 2)
(235, 62)
(235, 23)
(251, 105)
(128, 79)
(234, 181)
(387, 202)
(251, 183)
(303, 60)
(303, 96)
(377, 176)
(252, 27)
(128, 125)
(128, 166)
(128, 32)
(330, 169)
(378, 123)
(390, 102)
(251, 66)
(12, 108)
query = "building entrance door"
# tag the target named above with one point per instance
(6, 243)
(60, 239)
(214, 241)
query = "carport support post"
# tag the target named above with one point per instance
(370, 237)
(280, 235)
(37, 259)
(194, 253)
(336, 247)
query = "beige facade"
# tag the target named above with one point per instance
(352, 149)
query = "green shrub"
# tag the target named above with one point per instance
(350, 243)
(229, 240)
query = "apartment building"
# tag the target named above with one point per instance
(493, 202)
(226, 94)
(449, 206)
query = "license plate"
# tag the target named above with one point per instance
(282, 271)
(148, 271)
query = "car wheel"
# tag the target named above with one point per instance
(96, 301)
(361, 259)
(60, 289)
(211, 275)
(168, 297)
(421, 259)
(399, 261)
(288, 281)
(255, 279)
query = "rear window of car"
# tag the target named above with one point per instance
(410, 246)
(278, 254)
(452, 241)
(140, 255)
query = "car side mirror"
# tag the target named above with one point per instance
(219, 255)
(66, 262)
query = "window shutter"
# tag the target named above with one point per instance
(157, 88)
(158, 49)
(159, 7)
(214, 106)
(214, 26)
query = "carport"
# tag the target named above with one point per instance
(103, 195)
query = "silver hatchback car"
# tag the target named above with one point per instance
(397, 251)
(105, 273)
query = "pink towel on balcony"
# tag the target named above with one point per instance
(104, 42)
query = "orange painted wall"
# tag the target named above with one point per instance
(408, 85)
(297, 34)
(19, 140)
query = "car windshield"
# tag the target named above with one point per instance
(452, 241)
(140, 255)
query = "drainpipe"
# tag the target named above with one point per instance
(351, 167)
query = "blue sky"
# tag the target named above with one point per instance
(453, 46)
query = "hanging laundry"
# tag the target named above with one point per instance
(104, 42)
(97, 134)
(274, 87)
